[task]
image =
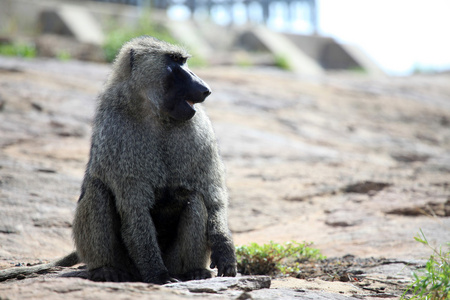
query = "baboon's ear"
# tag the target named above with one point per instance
(123, 65)
(132, 58)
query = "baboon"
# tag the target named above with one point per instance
(153, 203)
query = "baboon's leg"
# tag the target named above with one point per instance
(138, 231)
(97, 235)
(188, 258)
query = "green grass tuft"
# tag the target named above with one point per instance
(282, 62)
(273, 259)
(21, 50)
(434, 284)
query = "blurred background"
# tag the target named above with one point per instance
(399, 37)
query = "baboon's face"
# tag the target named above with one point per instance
(182, 89)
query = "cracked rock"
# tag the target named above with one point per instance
(219, 284)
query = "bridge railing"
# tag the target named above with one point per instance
(289, 12)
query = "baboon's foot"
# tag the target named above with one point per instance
(163, 278)
(109, 274)
(196, 275)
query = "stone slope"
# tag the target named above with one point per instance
(355, 165)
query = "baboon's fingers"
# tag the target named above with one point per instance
(220, 270)
(171, 280)
(230, 271)
(227, 270)
(199, 274)
(163, 278)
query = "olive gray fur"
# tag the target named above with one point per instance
(153, 204)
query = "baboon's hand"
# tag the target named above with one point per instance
(225, 261)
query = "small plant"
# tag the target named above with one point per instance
(358, 69)
(22, 50)
(282, 62)
(118, 36)
(64, 55)
(434, 284)
(273, 258)
(244, 63)
(243, 59)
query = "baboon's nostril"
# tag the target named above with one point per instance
(207, 93)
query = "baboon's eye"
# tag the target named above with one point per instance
(178, 58)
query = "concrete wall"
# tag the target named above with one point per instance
(87, 20)
(21, 16)
(331, 55)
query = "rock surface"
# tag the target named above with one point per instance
(247, 287)
(356, 165)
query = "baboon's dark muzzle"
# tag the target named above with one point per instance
(183, 90)
(197, 89)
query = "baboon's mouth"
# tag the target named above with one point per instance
(191, 104)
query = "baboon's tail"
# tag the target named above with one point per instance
(66, 261)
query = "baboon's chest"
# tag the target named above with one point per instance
(169, 206)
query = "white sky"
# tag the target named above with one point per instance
(397, 34)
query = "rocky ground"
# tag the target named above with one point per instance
(355, 165)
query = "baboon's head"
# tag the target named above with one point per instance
(158, 71)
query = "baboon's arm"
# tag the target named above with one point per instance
(222, 248)
(67, 261)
